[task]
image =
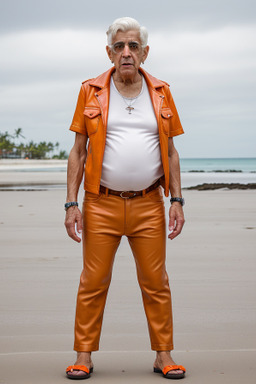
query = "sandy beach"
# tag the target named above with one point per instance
(212, 275)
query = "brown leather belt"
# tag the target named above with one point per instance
(129, 194)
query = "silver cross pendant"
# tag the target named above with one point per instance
(129, 108)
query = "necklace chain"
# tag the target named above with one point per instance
(132, 100)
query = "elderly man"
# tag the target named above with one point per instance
(124, 122)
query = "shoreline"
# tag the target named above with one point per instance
(51, 173)
(200, 187)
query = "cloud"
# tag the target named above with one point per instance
(16, 15)
(49, 54)
(58, 54)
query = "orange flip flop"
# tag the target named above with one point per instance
(87, 372)
(168, 375)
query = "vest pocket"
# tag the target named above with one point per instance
(92, 119)
(166, 115)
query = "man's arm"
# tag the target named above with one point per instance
(75, 171)
(176, 215)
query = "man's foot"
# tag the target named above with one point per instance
(163, 358)
(83, 358)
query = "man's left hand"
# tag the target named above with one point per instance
(176, 220)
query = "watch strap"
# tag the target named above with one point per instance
(178, 199)
(70, 204)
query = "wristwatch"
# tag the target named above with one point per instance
(179, 199)
(70, 204)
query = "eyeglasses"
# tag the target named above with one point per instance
(119, 46)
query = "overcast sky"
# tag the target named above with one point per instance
(204, 49)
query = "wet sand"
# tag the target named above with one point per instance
(211, 268)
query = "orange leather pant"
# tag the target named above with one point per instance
(106, 219)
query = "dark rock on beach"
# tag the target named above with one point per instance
(213, 186)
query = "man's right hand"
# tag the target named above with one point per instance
(73, 221)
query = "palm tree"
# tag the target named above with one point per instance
(30, 149)
(17, 133)
(20, 150)
(6, 145)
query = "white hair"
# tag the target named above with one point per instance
(126, 24)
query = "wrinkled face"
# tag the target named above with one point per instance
(127, 53)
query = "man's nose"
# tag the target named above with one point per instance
(126, 51)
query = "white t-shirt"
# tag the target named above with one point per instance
(132, 157)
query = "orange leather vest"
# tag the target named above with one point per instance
(91, 116)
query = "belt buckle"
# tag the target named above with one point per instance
(127, 197)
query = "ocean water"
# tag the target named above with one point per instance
(215, 165)
(246, 165)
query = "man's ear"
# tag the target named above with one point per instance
(145, 53)
(109, 53)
